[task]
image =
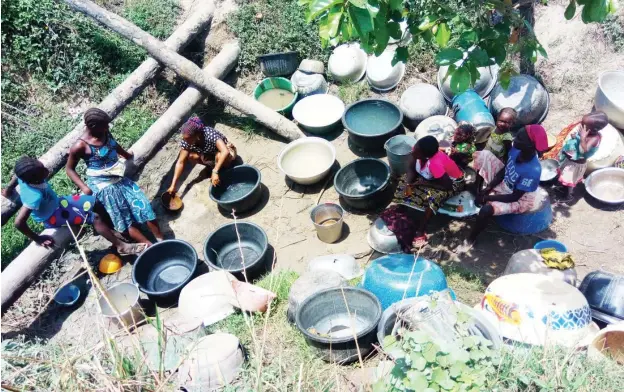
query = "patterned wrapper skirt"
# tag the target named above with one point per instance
(571, 173)
(73, 210)
(423, 196)
(126, 204)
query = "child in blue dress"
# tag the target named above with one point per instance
(43, 204)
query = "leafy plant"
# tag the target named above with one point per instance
(468, 33)
(613, 29)
(271, 26)
(426, 362)
(154, 17)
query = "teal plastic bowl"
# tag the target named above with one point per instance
(277, 83)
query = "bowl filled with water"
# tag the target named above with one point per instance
(307, 160)
(276, 93)
(240, 189)
(240, 248)
(364, 184)
(371, 122)
(164, 268)
(338, 322)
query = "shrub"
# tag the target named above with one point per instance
(271, 26)
(613, 29)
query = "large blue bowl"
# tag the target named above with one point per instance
(371, 122)
(394, 277)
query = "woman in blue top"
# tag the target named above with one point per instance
(42, 204)
(126, 204)
(510, 188)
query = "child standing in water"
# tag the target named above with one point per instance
(42, 203)
(501, 139)
(579, 145)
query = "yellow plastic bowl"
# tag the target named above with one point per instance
(110, 264)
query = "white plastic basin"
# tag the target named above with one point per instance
(610, 96)
(307, 160)
(318, 113)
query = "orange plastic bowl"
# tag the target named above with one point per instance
(110, 264)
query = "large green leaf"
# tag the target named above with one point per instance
(394, 29)
(401, 54)
(317, 7)
(382, 36)
(570, 10)
(449, 56)
(417, 381)
(597, 10)
(359, 3)
(443, 35)
(334, 17)
(428, 22)
(396, 5)
(362, 22)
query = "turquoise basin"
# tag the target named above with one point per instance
(389, 278)
(371, 122)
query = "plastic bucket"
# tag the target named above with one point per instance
(328, 220)
(559, 247)
(125, 298)
(398, 150)
(277, 83)
(470, 107)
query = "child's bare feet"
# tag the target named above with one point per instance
(126, 249)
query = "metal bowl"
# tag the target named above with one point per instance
(347, 63)
(606, 185)
(381, 239)
(381, 74)
(610, 96)
(526, 95)
(549, 170)
(307, 160)
(488, 76)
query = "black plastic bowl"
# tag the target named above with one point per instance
(222, 250)
(367, 127)
(364, 183)
(164, 268)
(324, 320)
(240, 189)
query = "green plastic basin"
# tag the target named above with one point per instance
(280, 83)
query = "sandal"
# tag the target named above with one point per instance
(136, 249)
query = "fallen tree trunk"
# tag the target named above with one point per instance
(189, 71)
(54, 159)
(26, 267)
(180, 109)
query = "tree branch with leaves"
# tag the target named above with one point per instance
(469, 34)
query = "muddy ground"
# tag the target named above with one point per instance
(593, 234)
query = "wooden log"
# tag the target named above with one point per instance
(180, 109)
(29, 264)
(54, 159)
(189, 71)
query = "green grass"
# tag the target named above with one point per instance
(153, 16)
(352, 92)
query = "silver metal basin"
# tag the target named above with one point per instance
(606, 185)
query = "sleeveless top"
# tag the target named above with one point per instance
(102, 157)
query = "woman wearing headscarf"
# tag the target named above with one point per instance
(205, 146)
(511, 187)
(124, 201)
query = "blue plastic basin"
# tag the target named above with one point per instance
(551, 244)
(67, 295)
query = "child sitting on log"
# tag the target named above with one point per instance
(45, 206)
(203, 145)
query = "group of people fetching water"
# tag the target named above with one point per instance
(111, 202)
(508, 168)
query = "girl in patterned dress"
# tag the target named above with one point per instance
(124, 201)
(203, 145)
(501, 139)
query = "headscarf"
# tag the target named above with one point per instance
(95, 116)
(537, 135)
(191, 126)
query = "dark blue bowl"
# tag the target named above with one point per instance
(364, 184)
(68, 295)
(240, 189)
(164, 268)
(223, 251)
(371, 122)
